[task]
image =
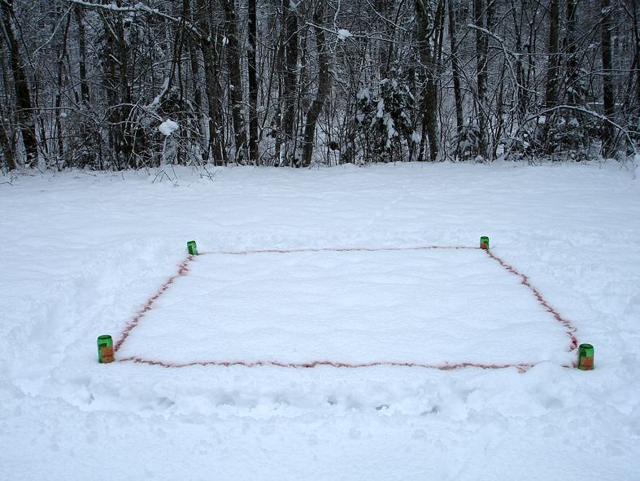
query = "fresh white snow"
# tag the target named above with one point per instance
(82, 252)
(343, 34)
(168, 127)
(429, 307)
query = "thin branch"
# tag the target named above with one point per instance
(53, 34)
(140, 8)
(574, 108)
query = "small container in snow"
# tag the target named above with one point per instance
(484, 242)
(585, 357)
(192, 248)
(105, 349)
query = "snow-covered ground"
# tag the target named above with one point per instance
(81, 253)
(424, 306)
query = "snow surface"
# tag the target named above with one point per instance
(349, 307)
(81, 253)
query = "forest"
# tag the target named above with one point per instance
(116, 84)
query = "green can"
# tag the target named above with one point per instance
(105, 349)
(484, 242)
(585, 357)
(192, 248)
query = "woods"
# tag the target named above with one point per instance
(86, 83)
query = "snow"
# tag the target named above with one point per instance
(155, 103)
(355, 307)
(82, 252)
(168, 127)
(343, 34)
(380, 109)
(363, 94)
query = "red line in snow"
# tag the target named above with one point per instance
(183, 270)
(522, 367)
(570, 329)
(340, 249)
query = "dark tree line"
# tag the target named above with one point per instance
(89, 83)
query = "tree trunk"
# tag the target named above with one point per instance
(192, 43)
(59, 94)
(482, 46)
(82, 56)
(235, 80)
(7, 138)
(290, 29)
(430, 97)
(455, 71)
(253, 84)
(385, 52)
(636, 30)
(608, 141)
(573, 95)
(217, 147)
(7, 151)
(124, 93)
(324, 84)
(118, 90)
(519, 73)
(636, 64)
(24, 106)
(553, 63)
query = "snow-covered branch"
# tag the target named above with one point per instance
(139, 8)
(592, 113)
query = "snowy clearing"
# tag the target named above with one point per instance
(81, 253)
(423, 307)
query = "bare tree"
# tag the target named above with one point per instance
(82, 55)
(290, 44)
(294, 83)
(426, 32)
(455, 70)
(608, 134)
(235, 80)
(553, 65)
(324, 83)
(24, 105)
(253, 83)
(211, 74)
(482, 47)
